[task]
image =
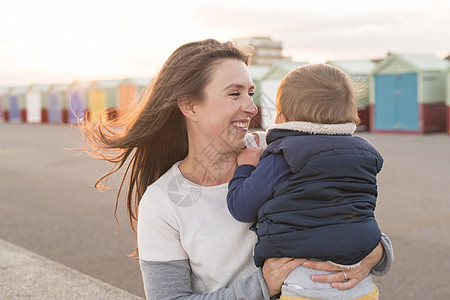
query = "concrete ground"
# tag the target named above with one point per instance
(25, 275)
(48, 206)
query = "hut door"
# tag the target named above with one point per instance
(76, 106)
(14, 113)
(54, 108)
(396, 106)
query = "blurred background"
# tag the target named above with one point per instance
(63, 59)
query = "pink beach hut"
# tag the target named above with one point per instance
(130, 90)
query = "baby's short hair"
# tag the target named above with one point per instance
(318, 93)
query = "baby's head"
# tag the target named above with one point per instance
(317, 93)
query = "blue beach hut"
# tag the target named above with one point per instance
(408, 94)
(17, 108)
(57, 93)
(76, 101)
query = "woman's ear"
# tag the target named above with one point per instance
(187, 108)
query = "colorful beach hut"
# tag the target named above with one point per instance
(408, 94)
(448, 100)
(103, 99)
(257, 73)
(129, 91)
(3, 103)
(75, 109)
(56, 96)
(36, 103)
(17, 106)
(269, 85)
(359, 71)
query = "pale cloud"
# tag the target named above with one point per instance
(88, 38)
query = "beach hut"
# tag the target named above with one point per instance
(17, 106)
(129, 91)
(269, 85)
(75, 108)
(3, 104)
(56, 96)
(408, 94)
(36, 103)
(257, 73)
(447, 128)
(359, 71)
(103, 99)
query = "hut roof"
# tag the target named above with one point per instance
(354, 67)
(42, 88)
(18, 90)
(420, 62)
(57, 88)
(136, 81)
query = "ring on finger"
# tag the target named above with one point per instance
(345, 275)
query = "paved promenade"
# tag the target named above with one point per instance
(25, 275)
(49, 207)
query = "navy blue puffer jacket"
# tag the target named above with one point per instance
(325, 210)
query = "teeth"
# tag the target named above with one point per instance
(240, 124)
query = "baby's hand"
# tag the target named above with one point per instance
(249, 156)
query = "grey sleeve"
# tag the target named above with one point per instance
(386, 261)
(172, 280)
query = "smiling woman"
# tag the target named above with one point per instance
(181, 145)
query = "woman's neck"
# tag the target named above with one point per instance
(209, 168)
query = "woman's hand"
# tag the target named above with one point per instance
(354, 276)
(275, 271)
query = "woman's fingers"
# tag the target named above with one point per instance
(320, 265)
(345, 284)
(335, 277)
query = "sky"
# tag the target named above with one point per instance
(59, 41)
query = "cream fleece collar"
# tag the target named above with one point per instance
(317, 128)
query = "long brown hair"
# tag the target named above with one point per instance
(150, 138)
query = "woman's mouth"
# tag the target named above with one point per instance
(241, 124)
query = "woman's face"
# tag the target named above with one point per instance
(224, 115)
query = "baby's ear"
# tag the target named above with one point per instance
(280, 118)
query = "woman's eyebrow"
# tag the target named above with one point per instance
(238, 86)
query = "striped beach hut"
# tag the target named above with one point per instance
(359, 71)
(257, 73)
(75, 108)
(408, 94)
(36, 103)
(269, 85)
(56, 96)
(17, 106)
(103, 99)
(129, 91)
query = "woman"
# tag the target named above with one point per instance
(182, 143)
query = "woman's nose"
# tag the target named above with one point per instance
(249, 107)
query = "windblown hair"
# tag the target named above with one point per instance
(318, 93)
(150, 138)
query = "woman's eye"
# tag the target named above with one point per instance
(235, 94)
(251, 94)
